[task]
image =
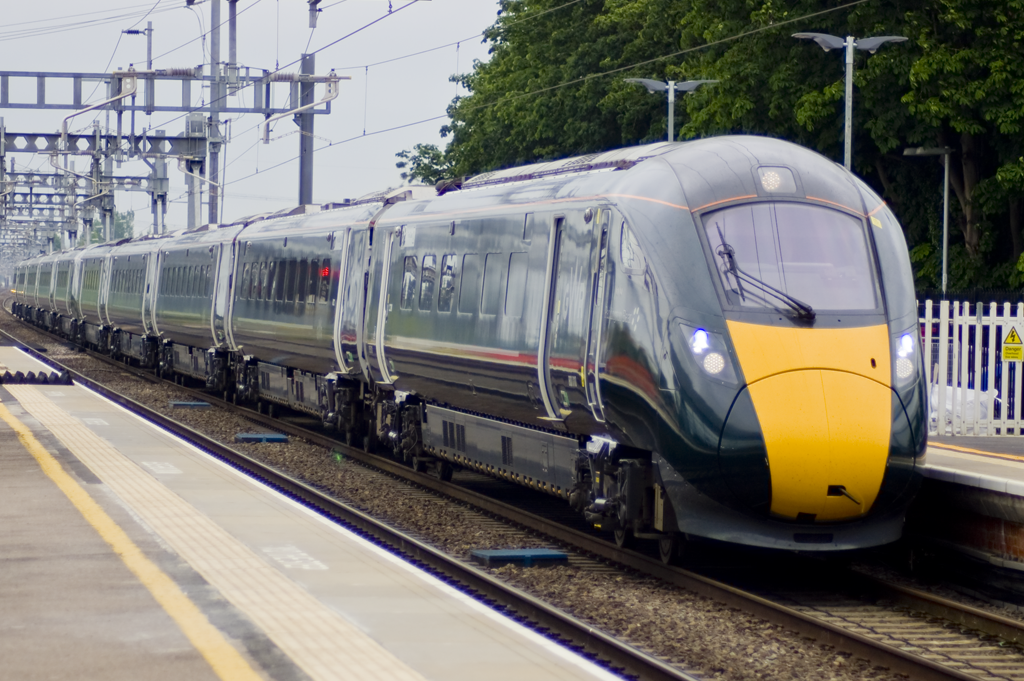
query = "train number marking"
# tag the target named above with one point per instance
(293, 558)
(162, 468)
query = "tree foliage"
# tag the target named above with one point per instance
(554, 86)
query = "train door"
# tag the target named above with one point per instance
(75, 287)
(567, 318)
(52, 293)
(384, 308)
(599, 297)
(106, 269)
(340, 241)
(223, 273)
(149, 293)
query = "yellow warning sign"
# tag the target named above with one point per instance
(1013, 348)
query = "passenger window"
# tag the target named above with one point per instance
(264, 291)
(515, 292)
(409, 282)
(469, 288)
(301, 279)
(325, 282)
(447, 289)
(314, 282)
(493, 265)
(279, 281)
(427, 278)
(335, 283)
(206, 278)
(289, 281)
(271, 276)
(243, 291)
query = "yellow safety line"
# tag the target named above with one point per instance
(994, 455)
(227, 662)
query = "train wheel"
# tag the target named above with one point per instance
(624, 538)
(445, 471)
(670, 549)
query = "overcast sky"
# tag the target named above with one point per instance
(76, 36)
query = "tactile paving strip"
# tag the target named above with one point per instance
(318, 640)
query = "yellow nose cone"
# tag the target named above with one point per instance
(827, 436)
(823, 401)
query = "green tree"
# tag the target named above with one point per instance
(553, 87)
(426, 163)
(124, 227)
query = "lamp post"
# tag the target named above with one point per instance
(944, 152)
(672, 87)
(830, 42)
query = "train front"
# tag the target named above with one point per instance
(801, 416)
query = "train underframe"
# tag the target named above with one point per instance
(615, 487)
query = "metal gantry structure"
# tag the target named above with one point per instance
(37, 206)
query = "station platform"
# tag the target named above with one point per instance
(126, 553)
(973, 498)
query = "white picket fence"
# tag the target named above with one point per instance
(972, 390)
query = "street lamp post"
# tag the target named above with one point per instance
(672, 87)
(944, 152)
(830, 42)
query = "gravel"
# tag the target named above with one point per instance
(700, 635)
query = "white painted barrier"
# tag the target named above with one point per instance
(973, 391)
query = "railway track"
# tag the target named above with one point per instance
(908, 631)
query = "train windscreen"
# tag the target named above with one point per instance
(815, 255)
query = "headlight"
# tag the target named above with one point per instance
(710, 352)
(906, 357)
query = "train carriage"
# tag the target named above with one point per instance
(705, 339)
(189, 302)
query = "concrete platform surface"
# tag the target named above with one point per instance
(289, 594)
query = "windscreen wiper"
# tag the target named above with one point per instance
(728, 255)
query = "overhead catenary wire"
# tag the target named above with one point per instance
(76, 25)
(575, 81)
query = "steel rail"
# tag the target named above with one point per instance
(897, 660)
(543, 617)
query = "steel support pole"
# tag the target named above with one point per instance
(232, 32)
(848, 126)
(671, 110)
(306, 139)
(216, 93)
(150, 92)
(945, 222)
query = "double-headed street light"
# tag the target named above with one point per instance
(672, 87)
(831, 42)
(944, 152)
